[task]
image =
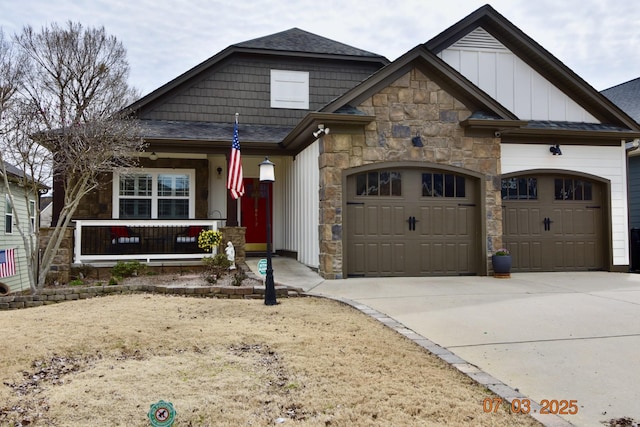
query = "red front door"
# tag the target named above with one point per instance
(253, 214)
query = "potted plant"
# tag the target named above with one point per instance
(209, 240)
(501, 262)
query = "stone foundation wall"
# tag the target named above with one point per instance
(53, 296)
(412, 105)
(61, 267)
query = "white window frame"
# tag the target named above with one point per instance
(290, 89)
(32, 215)
(191, 173)
(8, 215)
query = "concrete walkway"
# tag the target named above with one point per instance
(546, 336)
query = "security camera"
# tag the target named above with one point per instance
(497, 134)
(321, 130)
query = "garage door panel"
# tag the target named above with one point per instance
(372, 257)
(464, 221)
(464, 254)
(391, 258)
(355, 220)
(450, 221)
(565, 224)
(371, 221)
(436, 226)
(357, 257)
(526, 255)
(523, 222)
(383, 239)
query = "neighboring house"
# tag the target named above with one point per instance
(627, 97)
(13, 257)
(475, 140)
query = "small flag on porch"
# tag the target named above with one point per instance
(234, 181)
(7, 263)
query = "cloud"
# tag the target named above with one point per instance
(165, 39)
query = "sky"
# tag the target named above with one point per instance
(597, 39)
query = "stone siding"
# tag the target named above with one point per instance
(61, 267)
(53, 296)
(236, 235)
(412, 105)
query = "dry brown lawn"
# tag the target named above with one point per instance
(306, 361)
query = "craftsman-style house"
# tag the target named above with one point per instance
(475, 140)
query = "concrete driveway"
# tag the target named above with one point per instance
(552, 336)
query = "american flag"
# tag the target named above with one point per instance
(234, 181)
(7, 263)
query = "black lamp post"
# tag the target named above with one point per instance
(267, 175)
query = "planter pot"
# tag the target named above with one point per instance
(501, 265)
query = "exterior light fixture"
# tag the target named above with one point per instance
(321, 131)
(555, 150)
(267, 176)
(153, 156)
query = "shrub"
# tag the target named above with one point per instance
(76, 282)
(239, 277)
(127, 269)
(215, 267)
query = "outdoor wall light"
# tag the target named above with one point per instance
(219, 170)
(153, 156)
(321, 131)
(555, 150)
(417, 141)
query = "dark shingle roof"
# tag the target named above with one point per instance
(12, 170)
(297, 40)
(627, 97)
(208, 131)
(574, 126)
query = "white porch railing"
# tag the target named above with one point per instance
(143, 240)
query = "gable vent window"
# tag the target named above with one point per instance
(290, 89)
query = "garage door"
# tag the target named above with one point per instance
(411, 223)
(553, 223)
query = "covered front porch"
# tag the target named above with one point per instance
(106, 242)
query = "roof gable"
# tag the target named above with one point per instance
(535, 56)
(299, 41)
(293, 43)
(432, 66)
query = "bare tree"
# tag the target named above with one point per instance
(68, 109)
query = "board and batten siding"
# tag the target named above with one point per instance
(508, 79)
(302, 206)
(604, 162)
(14, 240)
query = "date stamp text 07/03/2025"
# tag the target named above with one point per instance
(523, 406)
